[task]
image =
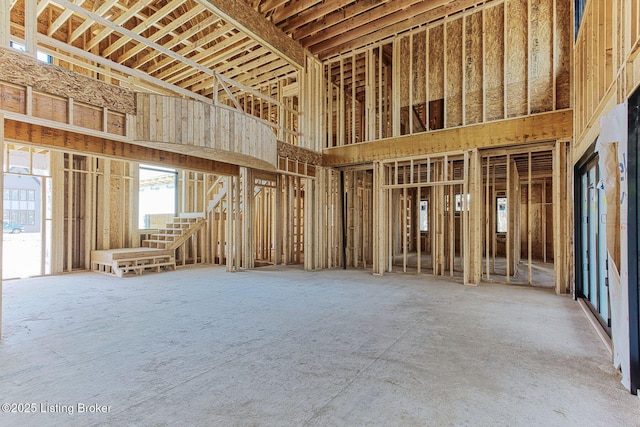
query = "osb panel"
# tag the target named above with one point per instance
(87, 117)
(419, 67)
(436, 63)
(453, 103)
(541, 56)
(298, 153)
(405, 60)
(494, 66)
(116, 123)
(516, 67)
(564, 44)
(50, 108)
(473, 68)
(13, 99)
(23, 70)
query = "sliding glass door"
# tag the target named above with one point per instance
(592, 284)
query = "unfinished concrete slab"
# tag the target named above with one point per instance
(280, 346)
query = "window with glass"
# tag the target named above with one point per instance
(502, 217)
(157, 196)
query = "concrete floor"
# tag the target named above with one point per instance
(279, 346)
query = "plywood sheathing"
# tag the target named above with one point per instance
(23, 70)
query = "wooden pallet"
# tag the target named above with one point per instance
(121, 262)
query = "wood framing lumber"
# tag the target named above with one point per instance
(39, 135)
(536, 128)
(248, 20)
(5, 24)
(1, 208)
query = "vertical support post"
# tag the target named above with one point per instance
(465, 222)
(319, 229)
(410, 106)
(184, 193)
(494, 238)
(474, 259)
(472, 214)
(1, 206)
(286, 212)
(395, 91)
(29, 106)
(418, 209)
(30, 27)
(487, 221)
(343, 220)
(134, 205)
(329, 206)
(357, 222)
(510, 219)
(237, 224)
(57, 212)
(44, 235)
(529, 224)
(310, 222)
(215, 89)
(437, 214)
(103, 189)
(389, 229)
(558, 214)
(90, 212)
(248, 241)
(341, 107)
(379, 219)
(452, 228)
(544, 220)
(464, 74)
(298, 218)
(68, 191)
(404, 229)
(353, 99)
(229, 238)
(5, 23)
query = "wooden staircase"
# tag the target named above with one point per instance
(175, 233)
(156, 254)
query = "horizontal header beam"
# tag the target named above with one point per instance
(33, 134)
(536, 128)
